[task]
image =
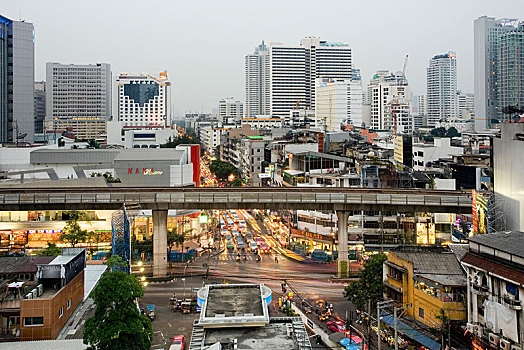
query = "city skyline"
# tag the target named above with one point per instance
(201, 79)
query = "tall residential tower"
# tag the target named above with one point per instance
(487, 31)
(442, 88)
(257, 82)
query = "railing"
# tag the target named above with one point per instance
(240, 197)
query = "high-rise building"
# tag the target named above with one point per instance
(442, 88)
(257, 82)
(294, 70)
(78, 98)
(465, 105)
(229, 108)
(511, 70)
(142, 100)
(338, 102)
(389, 96)
(487, 31)
(39, 106)
(17, 72)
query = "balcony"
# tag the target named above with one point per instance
(509, 301)
(480, 290)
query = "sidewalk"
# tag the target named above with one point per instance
(316, 329)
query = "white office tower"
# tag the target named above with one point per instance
(390, 97)
(487, 31)
(441, 86)
(142, 100)
(294, 70)
(78, 98)
(257, 82)
(229, 108)
(338, 102)
(465, 105)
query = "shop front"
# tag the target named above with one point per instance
(306, 242)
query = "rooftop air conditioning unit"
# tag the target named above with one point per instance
(493, 339)
(40, 288)
(29, 296)
(504, 344)
(516, 347)
(35, 293)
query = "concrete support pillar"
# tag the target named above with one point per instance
(343, 261)
(159, 243)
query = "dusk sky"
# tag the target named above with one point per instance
(202, 44)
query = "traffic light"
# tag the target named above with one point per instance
(290, 296)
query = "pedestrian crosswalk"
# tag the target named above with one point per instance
(249, 257)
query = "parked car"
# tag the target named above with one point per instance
(336, 326)
(178, 343)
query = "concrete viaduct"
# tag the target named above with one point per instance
(161, 199)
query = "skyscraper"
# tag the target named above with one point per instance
(390, 97)
(511, 69)
(442, 88)
(257, 82)
(17, 74)
(39, 106)
(141, 100)
(487, 31)
(294, 70)
(78, 98)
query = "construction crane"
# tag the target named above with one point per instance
(396, 100)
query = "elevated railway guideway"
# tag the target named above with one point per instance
(161, 199)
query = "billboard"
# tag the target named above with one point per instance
(425, 233)
(480, 206)
(399, 149)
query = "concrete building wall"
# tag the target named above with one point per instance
(508, 167)
(23, 77)
(49, 310)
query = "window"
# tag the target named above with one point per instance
(68, 303)
(420, 312)
(33, 321)
(60, 311)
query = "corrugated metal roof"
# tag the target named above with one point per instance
(69, 344)
(73, 156)
(509, 242)
(21, 264)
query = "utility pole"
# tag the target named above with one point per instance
(381, 305)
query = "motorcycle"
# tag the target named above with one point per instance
(245, 258)
(238, 258)
(258, 257)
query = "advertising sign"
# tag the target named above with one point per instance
(264, 175)
(474, 227)
(425, 233)
(399, 149)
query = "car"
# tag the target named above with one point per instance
(230, 244)
(228, 237)
(336, 326)
(178, 343)
(253, 246)
(224, 232)
(264, 248)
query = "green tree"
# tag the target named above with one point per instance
(452, 132)
(50, 250)
(72, 231)
(369, 285)
(117, 322)
(93, 143)
(236, 183)
(444, 328)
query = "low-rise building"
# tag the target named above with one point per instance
(262, 122)
(138, 136)
(426, 153)
(495, 285)
(428, 282)
(39, 310)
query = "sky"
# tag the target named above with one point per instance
(202, 44)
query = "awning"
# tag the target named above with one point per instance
(410, 332)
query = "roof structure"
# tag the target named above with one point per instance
(510, 242)
(22, 264)
(70, 344)
(441, 267)
(162, 154)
